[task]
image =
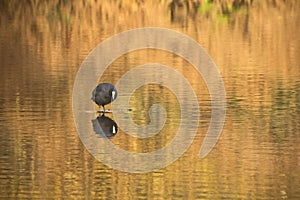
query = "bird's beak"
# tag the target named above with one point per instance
(113, 95)
(114, 130)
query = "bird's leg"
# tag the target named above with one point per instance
(101, 111)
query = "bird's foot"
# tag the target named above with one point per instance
(104, 111)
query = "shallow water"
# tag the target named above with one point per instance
(255, 47)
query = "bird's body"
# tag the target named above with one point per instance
(104, 94)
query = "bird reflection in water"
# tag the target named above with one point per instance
(104, 126)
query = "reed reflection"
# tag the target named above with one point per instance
(104, 126)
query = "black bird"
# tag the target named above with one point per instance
(104, 94)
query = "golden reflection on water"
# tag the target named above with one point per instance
(256, 47)
(148, 95)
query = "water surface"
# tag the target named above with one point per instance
(256, 48)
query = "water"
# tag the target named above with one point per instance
(256, 48)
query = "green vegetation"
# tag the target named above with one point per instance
(222, 12)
